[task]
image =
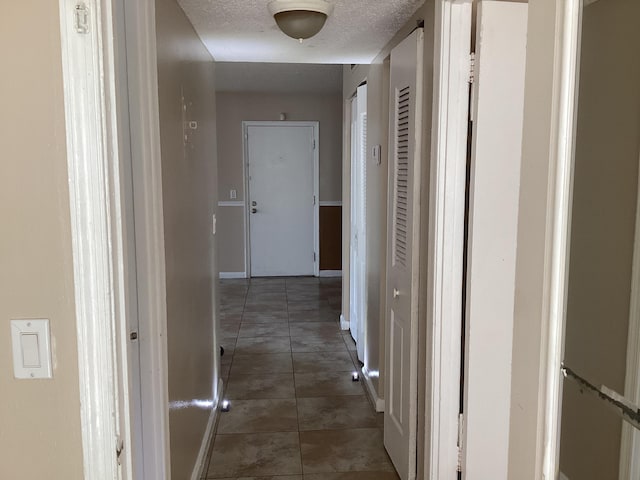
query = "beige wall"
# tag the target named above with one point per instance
(39, 419)
(185, 68)
(234, 108)
(602, 233)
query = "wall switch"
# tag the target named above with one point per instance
(233, 194)
(31, 343)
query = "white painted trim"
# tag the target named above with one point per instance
(565, 95)
(149, 221)
(233, 275)
(232, 203)
(316, 186)
(330, 273)
(98, 234)
(344, 323)
(378, 402)
(331, 203)
(446, 235)
(630, 442)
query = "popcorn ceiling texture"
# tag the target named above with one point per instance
(244, 31)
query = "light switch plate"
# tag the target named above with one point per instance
(31, 343)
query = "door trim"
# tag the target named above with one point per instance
(630, 442)
(446, 236)
(316, 187)
(150, 254)
(561, 190)
(98, 234)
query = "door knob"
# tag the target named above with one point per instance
(254, 204)
(254, 210)
(396, 293)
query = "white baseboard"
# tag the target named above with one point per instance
(378, 402)
(233, 275)
(331, 273)
(344, 324)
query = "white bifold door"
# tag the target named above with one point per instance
(358, 243)
(281, 162)
(405, 151)
(478, 450)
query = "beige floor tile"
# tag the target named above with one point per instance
(264, 329)
(327, 451)
(332, 413)
(262, 317)
(254, 345)
(229, 329)
(326, 384)
(269, 477)
(255, 416)
(314, 316)
(322, 362)
(277, 385)
(261, 454)
(305, 328)
(313, 342)
(353, 476)
(265, 363)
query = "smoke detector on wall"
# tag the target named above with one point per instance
(300, 19)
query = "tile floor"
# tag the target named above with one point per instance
(295, 413)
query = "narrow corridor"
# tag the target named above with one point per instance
(295, 412)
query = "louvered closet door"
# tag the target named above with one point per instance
(401, 395)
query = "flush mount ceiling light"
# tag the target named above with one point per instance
(300, 19)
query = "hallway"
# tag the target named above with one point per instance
(295, 412)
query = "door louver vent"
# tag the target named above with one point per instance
(401, 213)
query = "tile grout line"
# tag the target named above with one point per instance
(293, 374)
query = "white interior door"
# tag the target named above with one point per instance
(281, 201)
(494, 192)
(358, 244)
(405, 151)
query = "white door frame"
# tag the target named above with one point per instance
(446, 237)
(630, 443)
(316, 187)
(99, 236)
(568, 36)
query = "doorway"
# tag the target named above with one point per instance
(358, 240)
(282, 214)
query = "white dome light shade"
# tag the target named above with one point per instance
(300, 19)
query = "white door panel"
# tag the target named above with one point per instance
(494, 194)
(281, 199)
(358, 271)
(405, 151)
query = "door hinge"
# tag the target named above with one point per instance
(472, 67)
(313, 143)
(314, 257)
(119, 448)
(314, 199)
(460, 440)
(81, 18)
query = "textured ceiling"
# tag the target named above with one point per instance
(278, 77)
(244, 31)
